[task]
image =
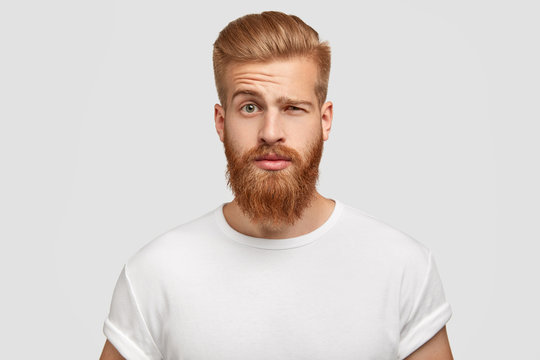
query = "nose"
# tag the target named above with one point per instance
(271, 131)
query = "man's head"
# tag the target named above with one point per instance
(265, 37)
(273, 117)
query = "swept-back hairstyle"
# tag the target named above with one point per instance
(270, 35)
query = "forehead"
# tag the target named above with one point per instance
(290, 77)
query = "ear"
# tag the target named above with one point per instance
(327, 113)
(219, 118)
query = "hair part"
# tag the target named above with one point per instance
(269, 36)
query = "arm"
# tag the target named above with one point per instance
(437, 348)
(110, 352)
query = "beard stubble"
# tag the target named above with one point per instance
(273, 197)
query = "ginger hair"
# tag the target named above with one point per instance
(269, 36)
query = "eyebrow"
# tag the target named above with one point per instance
(245, 92)
(281, 100)
(293, 102)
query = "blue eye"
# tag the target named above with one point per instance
(249, 108)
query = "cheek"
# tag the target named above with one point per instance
(310, 142)
(304, 136)
(237, 139)
(242, 136)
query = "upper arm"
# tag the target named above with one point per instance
(437, 348)
(110, 352)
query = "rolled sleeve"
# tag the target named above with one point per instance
(125, 326)
(424, 309)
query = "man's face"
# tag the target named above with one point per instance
(273, 130)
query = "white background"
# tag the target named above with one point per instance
(107, 140)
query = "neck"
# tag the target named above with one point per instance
(312, 218)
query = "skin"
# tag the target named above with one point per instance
(437, 348)
(290, 123)
(286, 112)
(110, 353)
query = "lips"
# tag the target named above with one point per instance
(272, 162)
(272, 157)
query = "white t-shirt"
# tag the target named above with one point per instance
(354, 288)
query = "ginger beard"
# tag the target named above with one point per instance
(273, 197)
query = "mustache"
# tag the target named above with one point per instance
(265, 149)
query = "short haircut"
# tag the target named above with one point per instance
(268, 36)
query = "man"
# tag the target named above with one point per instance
(281, 272)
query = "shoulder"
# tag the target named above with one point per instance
(382, 238)
(173, 247)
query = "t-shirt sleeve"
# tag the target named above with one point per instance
(423, 306)
(125, 326)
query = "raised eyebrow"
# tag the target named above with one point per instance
(245, 92)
